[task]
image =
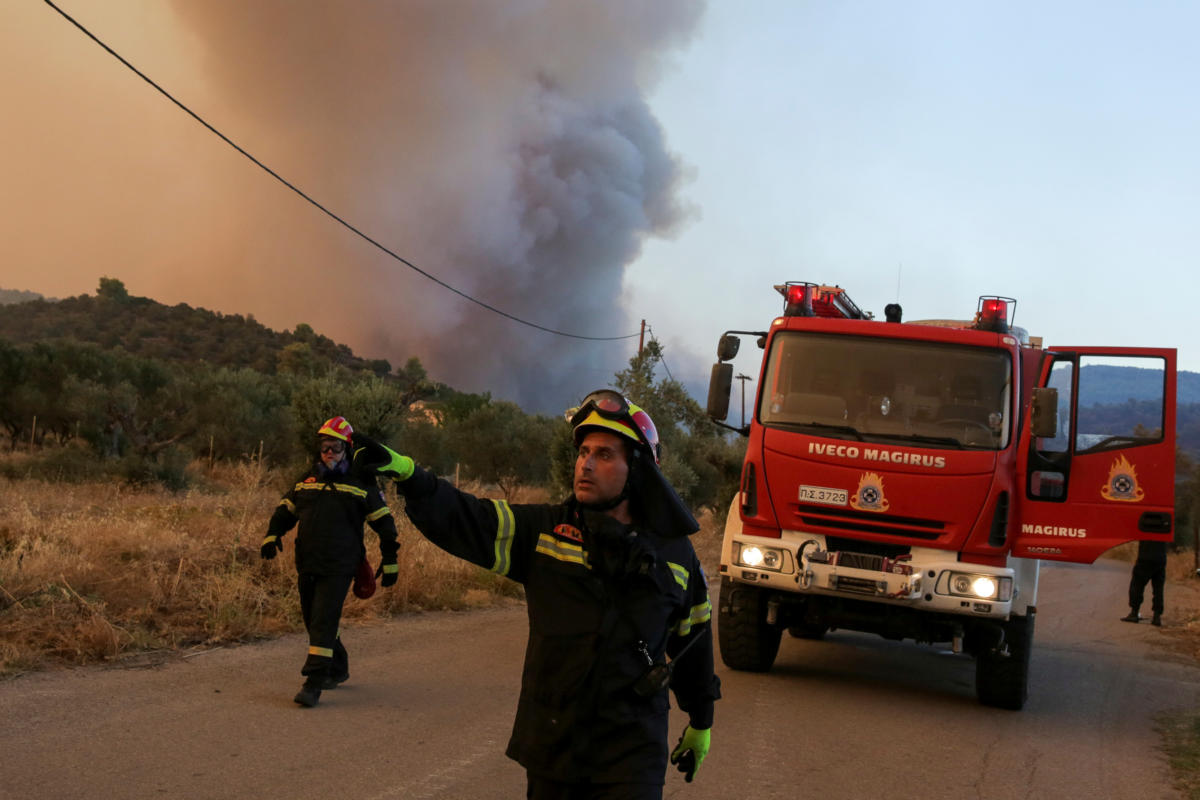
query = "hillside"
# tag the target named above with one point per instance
(1112, 385)
(8, 296)
(148, 329)
(182, 334)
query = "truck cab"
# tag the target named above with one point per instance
(905, 478)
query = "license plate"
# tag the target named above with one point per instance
(824, 495)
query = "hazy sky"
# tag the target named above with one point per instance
(931, 152)
(589, 165)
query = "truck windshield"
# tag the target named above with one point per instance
(920, 394)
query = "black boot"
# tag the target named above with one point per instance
(1133, 616)
(334, 681)
(1156, 620)
(309, 694)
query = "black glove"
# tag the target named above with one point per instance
(270, 546)
(387, 573)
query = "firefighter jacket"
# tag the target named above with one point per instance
(605, 602)
(331, 506)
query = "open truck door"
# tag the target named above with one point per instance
(1104, 474)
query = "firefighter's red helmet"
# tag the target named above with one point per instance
(338, 428)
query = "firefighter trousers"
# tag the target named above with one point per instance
(321, 600)
(1156, 575)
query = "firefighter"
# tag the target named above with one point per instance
(331, 501)
(1151, 565)
(617, 603)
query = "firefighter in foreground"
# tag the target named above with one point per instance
(331, 501)
(613, 589)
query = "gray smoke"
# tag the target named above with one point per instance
(505, 147)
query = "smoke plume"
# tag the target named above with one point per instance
(504, 147)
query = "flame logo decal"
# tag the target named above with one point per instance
(869, 496)
(1123, 483)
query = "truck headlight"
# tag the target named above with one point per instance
(751, 555)
(981, 587)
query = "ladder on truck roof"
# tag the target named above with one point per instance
(803, 299)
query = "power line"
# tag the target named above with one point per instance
(662, 356)
(322, 208)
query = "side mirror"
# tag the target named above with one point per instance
(727, 348)
(719, 386)
(1044, 411)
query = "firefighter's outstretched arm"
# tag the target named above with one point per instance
(484, 532)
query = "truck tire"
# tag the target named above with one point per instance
(1002, 680)
(746, 641)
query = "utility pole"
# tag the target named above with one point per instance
(743, 379)
(642, 337)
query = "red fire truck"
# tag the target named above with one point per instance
(906, 478)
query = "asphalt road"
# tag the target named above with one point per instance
(427, 711)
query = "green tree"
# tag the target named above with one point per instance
(1187, 503)
(499, 443)
(299, 359)
(239, 413)
(697, 458)
(372, 405)
(14, 371)
(112, 289)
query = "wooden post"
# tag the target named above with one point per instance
(1195, 538)
(33, 433)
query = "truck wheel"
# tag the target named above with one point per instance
(1002, 680)
(747, 642)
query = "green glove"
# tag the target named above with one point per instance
(383, 460)
(691, 750)
(398, 468)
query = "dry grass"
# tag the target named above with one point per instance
(102, 572)
(1180, 634)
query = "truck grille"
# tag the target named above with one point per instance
(848, 520)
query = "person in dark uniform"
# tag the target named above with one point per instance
(617, 603)
(1151, 565)
(331, 501)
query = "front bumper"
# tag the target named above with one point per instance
(926, 579)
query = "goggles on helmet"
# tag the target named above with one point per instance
(326, 445)
(629, 420)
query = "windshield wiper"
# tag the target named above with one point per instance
(850, 429)
(905, 437)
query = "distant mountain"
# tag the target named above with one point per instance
(1133, 395)
(8, 296)
(144, 327)
(1112, 385)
